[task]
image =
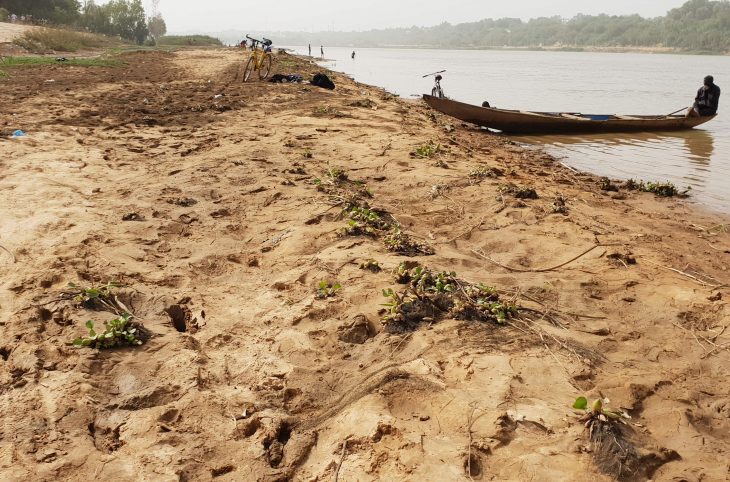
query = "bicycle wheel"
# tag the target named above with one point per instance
(265, 69)
(250, 67)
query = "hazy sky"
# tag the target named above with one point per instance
(312, 15)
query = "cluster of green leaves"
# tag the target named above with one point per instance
(605, 184)
(364, 221)
(598, 411)
(92, 293)
(435, 295)
(118, 332)
(427, 151)
(663, 189)
(307, 154)
(401, 243)
(483, 172)
(327, 290)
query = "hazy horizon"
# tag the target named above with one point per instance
(192, 16)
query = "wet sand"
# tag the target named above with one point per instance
(232, 222)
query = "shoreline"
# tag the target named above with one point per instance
(220, 208)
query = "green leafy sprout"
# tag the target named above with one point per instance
(117, 333)
(427, 151)
(598, 412)
(90, 294)
(327, 290)
(430, 294)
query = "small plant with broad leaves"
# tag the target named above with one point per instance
(661, 189)
(119, 332)
(371, 265)
(483, 172)
(435, 295)
(427, 151)
(93, 293)
(598, 412)
(403, 244)
(327, 290)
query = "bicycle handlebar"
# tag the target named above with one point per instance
(265, 41)
(435, 73)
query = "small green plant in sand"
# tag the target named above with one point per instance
(307, 154)
(336, 174)
(662, 189)
(401, 243)
(327, 110)
(327, 290)
(120, 331)
(93, 293)
(371, 265)
(483, 172)
(598, 412)
(427, 151)
(605, 184)
(430, 295)
(519, 192)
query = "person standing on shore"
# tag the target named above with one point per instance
(707, 100)
(321, 50)
(310, 50)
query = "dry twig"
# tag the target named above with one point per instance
(541, 270)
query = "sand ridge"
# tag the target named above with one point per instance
(254, 378)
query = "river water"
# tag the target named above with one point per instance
(594, 83)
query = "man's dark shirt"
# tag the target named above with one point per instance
(708, 99)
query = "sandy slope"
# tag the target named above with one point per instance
(261, 381)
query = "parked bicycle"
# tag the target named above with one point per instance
(260, 60)
(437, 91)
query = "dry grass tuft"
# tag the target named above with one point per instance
(47, 40)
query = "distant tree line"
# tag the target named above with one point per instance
(121, 18)
(698, 25)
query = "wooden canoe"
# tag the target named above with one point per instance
(522, 122)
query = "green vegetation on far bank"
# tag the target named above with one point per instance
(696, 26)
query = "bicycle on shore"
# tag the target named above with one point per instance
(260, 60)
(437, 91)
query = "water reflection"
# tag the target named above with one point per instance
(695, 145)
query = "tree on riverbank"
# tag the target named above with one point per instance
(119, 18)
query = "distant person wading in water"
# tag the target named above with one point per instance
(321, 50)
(310, 50)
(707, 100)
(353, 55)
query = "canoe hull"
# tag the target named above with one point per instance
(518, 122)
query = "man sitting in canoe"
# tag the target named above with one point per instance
(707, 100)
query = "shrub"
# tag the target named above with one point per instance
(4, 14)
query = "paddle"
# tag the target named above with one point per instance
(676, 111)
(435, 73)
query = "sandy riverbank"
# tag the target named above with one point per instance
(232, 222)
